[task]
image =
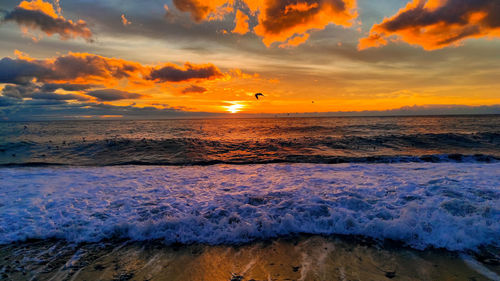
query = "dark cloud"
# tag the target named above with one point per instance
(20, 71)
(78, 69)
(36, 92)
(41, 15)
(19, 91)
(173, 73)
(67, 67)
(6, 101)
(76, 65)
(193, 89)
(54, 96)
(50, 87)
(435, 24)
(112, 95)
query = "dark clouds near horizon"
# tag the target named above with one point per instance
(29, 82)
(112, 95)
(33, 110)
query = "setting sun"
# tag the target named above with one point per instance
(234, 107)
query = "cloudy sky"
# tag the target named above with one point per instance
(161, 58)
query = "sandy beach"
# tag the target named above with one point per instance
(298, 258)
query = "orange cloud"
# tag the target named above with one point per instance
(84, 68)
(241, 22)
(435, 24)
(125, 21)
(37, 14)
(84, 77)
(201, 10)
(39, 5)
(295, 41)
(282, 21)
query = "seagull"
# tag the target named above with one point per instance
(257, 95)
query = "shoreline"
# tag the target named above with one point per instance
(304, 257)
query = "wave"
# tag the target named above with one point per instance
(480, 147)
(447, 205)
(437, 158)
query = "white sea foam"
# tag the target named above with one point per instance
(450, 205)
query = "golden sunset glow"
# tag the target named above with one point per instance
(235, 107)
(212, 57)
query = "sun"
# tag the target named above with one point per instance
(234, 107)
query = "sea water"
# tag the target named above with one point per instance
(421, 181)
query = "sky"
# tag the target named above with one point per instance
(182, 58)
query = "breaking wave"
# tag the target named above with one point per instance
(447, 205)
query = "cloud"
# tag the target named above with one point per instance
(193, 89)
(435, 24)
(20, 71)
(281, 21)
(6, 101)
(12, 109)
(77, 77)
(112, 95)
(201, 10)
(54, 96)
(40, 15)
(36, 92)
(19, 91)
(84, 69)
(422, 110)
(241, 22)
(71, 67)
(66, 86)
(278, 20)
(82, 65)
(174, 73)
(295, 41)
(125, 22)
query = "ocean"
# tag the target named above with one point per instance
(252, 141)
(423, 183)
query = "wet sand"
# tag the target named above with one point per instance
(300, 258)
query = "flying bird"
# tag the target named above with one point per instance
(257, 95)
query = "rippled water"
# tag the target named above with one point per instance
(246, 141)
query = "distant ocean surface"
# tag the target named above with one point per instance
(423, 181)
(251, 141)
